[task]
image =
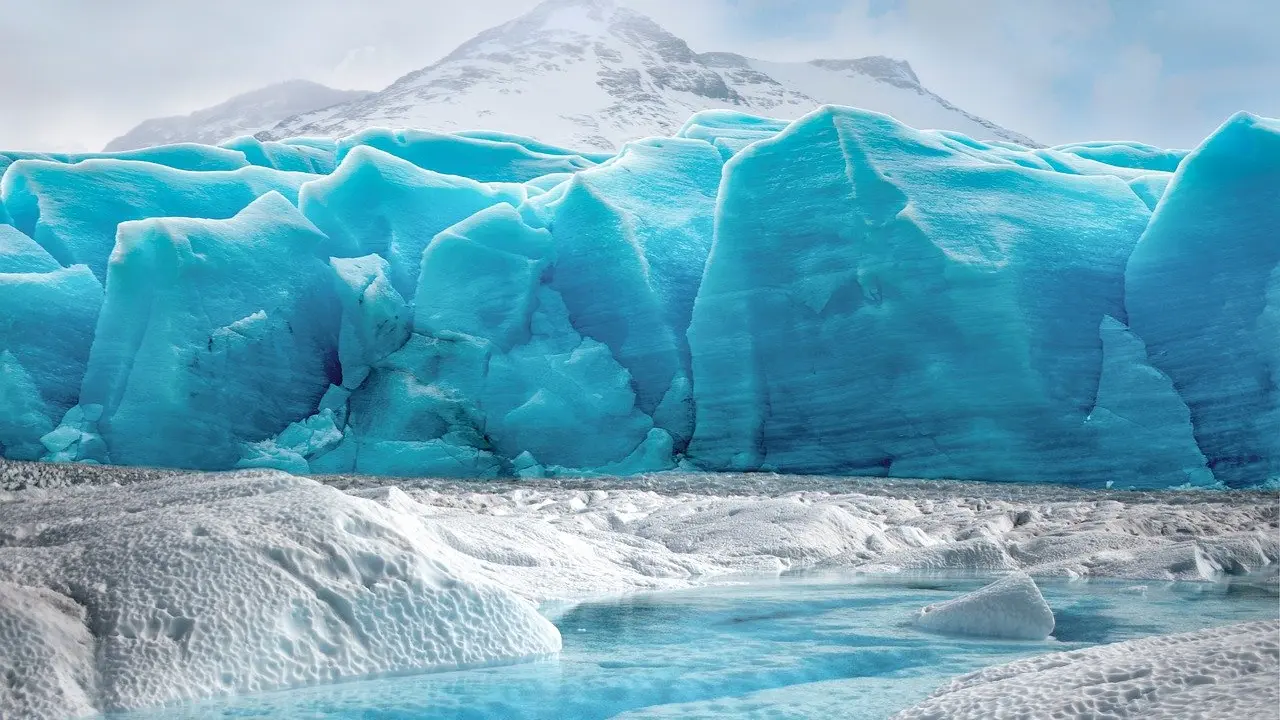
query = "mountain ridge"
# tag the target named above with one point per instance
(243, 114)
(591, 74)
(595, 73)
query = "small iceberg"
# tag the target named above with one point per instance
(1010, 608)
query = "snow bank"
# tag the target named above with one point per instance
(172, 589)
(1221, 673)
(47, 655)
(1011, 607)
(547, 541)
(176, 590)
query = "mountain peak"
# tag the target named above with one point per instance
(569, 24)
(600, 8)
(595, 73)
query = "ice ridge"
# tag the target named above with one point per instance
(841, 294)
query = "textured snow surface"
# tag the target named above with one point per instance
(842, 294)
(118, 598)
(1011, 607)
(595, 73)
(549, 541)
(1228, 672)
(165, 590)
(47, 653)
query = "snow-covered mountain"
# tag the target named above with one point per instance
(241, 115)
(594, 73)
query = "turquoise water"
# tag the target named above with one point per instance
(822, 646)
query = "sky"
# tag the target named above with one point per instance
(80, 72)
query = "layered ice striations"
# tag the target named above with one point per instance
(1215, 236)
(841, 294)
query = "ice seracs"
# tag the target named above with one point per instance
(840, 294)
(1217, 344)
(1010, 608)
(215, 315)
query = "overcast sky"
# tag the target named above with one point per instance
(78, 72)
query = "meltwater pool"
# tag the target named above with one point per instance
(801, 646)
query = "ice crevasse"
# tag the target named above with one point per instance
(839, 294)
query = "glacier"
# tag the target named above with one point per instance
(842, 294)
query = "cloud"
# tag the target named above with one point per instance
(91, 70)
(1166, 71)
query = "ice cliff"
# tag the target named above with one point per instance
(840, 294)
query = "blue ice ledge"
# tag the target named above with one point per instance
(840, 294)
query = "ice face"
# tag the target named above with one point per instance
(73, 210)
(38, 368)
(875, 302)
(494, 158)
(840, 294)
(215, 332)
(1216, 236)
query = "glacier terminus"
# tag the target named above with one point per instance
(839, 294)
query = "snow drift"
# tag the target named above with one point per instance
(1218, 673)
(841, 294)
(169, 592)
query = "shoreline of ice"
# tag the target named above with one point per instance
(1227, 672)
(463, 566)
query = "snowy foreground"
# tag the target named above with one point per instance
(168, 590)
(1229, 672)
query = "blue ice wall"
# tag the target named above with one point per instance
(47, 317)
(875, 303)
(838, 294)
(1203, 290)
(308, 155)
(212, 333)
(73, 210)
(489, 157)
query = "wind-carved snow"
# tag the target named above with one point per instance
(1212, 674)
(167, 592)
(47, 652)
(199, 585)
(594, 73)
